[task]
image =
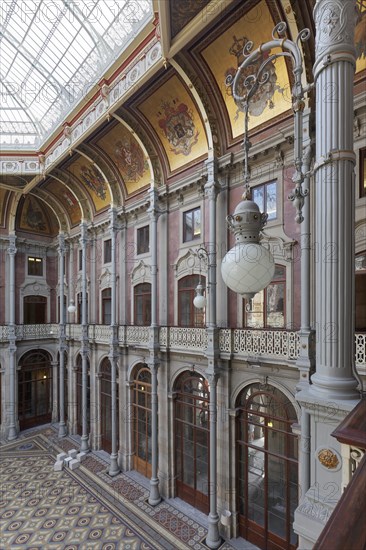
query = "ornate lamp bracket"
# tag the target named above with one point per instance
(245, 87)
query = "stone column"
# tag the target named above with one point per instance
(113, 347)
(62, 336)
(332, 394)
(12, 432)
(334, 70)
(84, 341)
(154, 497)
(213, 539)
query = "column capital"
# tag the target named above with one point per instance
(12, 250)
(334, 39)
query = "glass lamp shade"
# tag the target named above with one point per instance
(72, 307)
(247, 268)
(199, 300)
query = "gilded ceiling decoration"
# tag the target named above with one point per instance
(91, 180)
(126, 153)
(66, 198)
(172, 113)
(225, 54)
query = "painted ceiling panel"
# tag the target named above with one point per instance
(225, 54)
(66, 198)
(34, 216)
(127, 155)
(174, 117)
(181, 13)
(92, 181)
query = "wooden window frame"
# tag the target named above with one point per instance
(35, 266)
(143, 240)
(265, 186)
(265, 313)
(107, 251)
(196, 316)
(191, 213)
(145, 295)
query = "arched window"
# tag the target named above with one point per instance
(192, 427)
(267, 468)
(188, 315)
(268, 307)
(106, 306)
(142, 422)
(35, 389)
(142, 304)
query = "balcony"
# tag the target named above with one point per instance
(253, 345)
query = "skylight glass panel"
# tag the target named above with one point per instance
(50, 51)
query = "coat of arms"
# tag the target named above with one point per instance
(130, 159)
(93, 179)
(178, 126)
(265, 92)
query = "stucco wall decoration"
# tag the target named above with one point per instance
(225, 54)
(125, 151)
(174, 117)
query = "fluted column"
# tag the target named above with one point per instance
(84, 342)
(12, 250)
(113, 350)
(62, 336)
(335, 199)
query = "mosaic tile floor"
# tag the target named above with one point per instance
(83, 509)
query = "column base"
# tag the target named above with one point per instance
(330, 388)
(12, 434)
(113, 468)
(84, 447)
(154, 497)
(213, 539)
(62, 431)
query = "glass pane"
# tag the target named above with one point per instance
(202, 477)
(277, 486)
(197, 222)
(254, 311)
(275, 305)
(258, 197)
(256, 488)
(188, 469)
(271, 206)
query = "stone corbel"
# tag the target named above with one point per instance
(279, 248)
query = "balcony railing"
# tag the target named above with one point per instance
(276, 345)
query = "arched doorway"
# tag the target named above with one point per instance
(142, 421)
(35, 389)
(106, 405)
(191, 427)
(79, 396)
(267, 478)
